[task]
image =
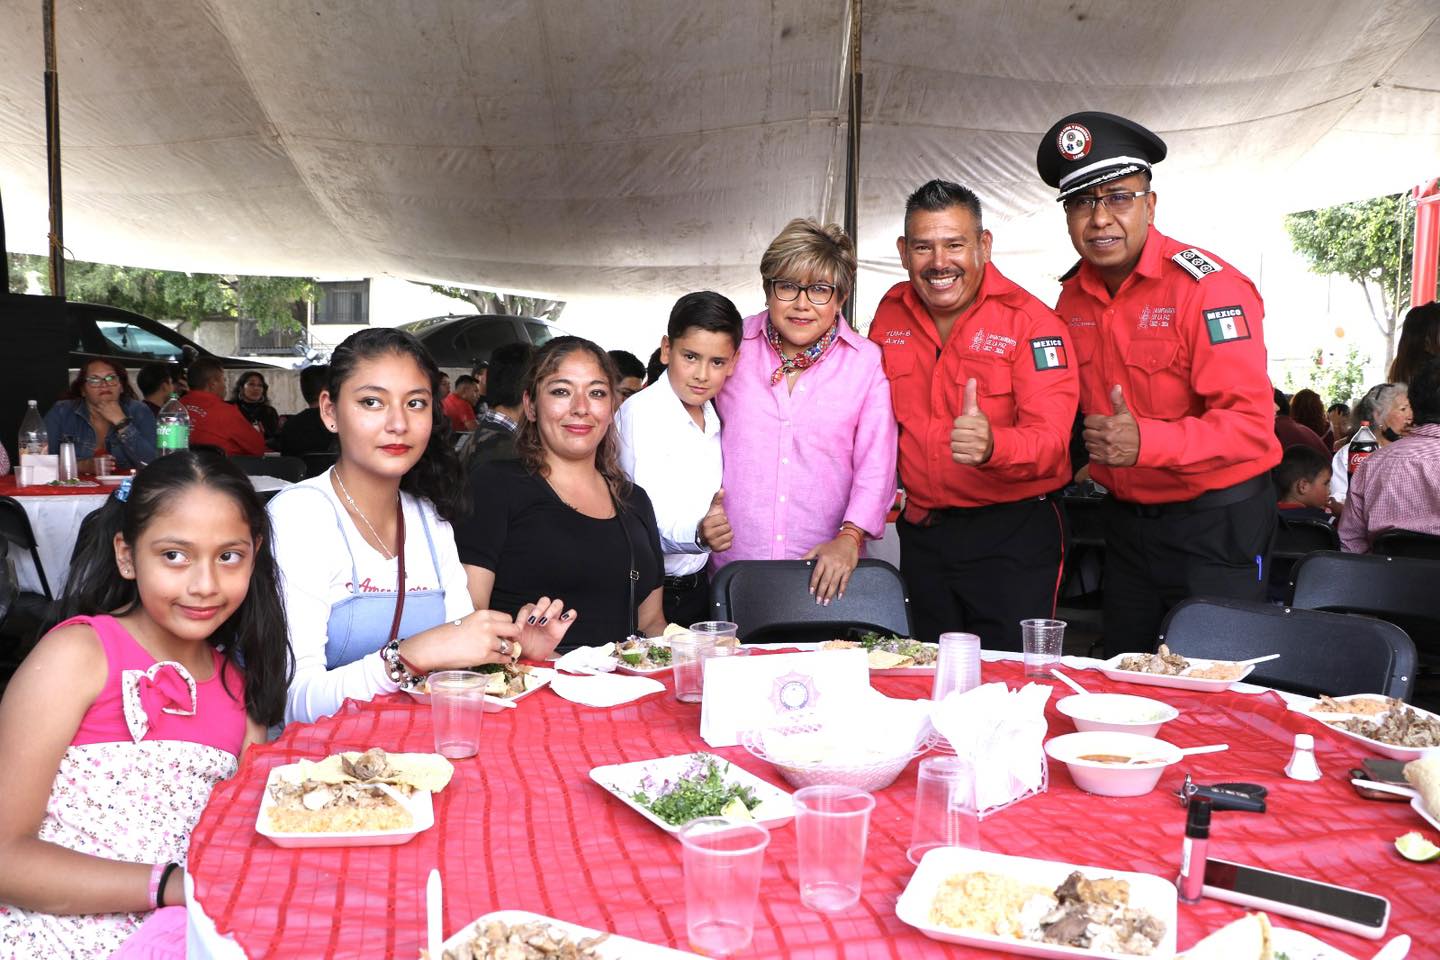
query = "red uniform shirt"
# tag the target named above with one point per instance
(1184, 338)
(220, 424)
(1017, 350)
(461, 414)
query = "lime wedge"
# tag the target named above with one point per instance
(1415, 847)
(632, 657)
(736, 810)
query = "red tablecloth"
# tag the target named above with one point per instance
(522, 827)
(10, 487)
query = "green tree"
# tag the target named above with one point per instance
(1337, 380)
(504, 304)
(167, 295)
(1368, 242)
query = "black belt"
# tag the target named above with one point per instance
(919, 517)
(688, 582)
(1209, 500)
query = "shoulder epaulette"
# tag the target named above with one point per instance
(1195, 263)
(1072, 271)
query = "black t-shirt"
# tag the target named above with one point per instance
(538, 546)
(304, 433)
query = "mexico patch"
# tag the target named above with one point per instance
(1225, 324)
(1049, 353)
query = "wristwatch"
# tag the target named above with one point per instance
(700, 539)
(121, 424)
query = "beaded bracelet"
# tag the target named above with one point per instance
(399, 672)
(857, 532)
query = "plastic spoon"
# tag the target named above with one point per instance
(501, 702)
(1184, 752)
(1254, 660)
(1396, 949)
(1394, 788)
(1068, 682)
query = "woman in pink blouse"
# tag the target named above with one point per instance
(807, 431)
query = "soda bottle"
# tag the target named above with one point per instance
(33, 437)
(1361, 446)
(172, 427)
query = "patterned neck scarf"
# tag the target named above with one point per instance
(808, 357)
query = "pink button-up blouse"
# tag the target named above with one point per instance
(800, 463)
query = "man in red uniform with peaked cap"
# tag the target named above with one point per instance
(1178, 415)
(983, 385)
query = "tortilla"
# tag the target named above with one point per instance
(423, 771)
(885, 660)
(1424, 775)
(1244, 939)
(673, 628)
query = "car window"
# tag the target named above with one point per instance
(541, 333)
(478, 340)
(126, 338)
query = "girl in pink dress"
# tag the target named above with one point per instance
(121, 720)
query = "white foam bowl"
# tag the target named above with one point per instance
(1117, 713)
(1113, 779)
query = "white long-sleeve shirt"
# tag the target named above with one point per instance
(313, 553)
(678, 463)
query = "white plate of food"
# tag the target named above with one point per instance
(507, 683)
(1253, 935)
(488, 936)
(317, 804)
(1391, 728)
(113, 479)
(672, 791)
(892, 656)
(1167, 669)
(644, 656)
(995, 902)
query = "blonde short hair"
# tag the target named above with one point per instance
(805, 249)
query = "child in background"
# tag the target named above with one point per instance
(117, 726)
(1302, 485)
(670, 446)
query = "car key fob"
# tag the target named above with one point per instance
(1224, 797)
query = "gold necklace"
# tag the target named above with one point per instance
(361, 513)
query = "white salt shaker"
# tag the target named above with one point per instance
(1302, 765)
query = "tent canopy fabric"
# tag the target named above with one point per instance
(649, 147)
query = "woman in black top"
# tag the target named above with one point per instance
(252, 397)
(563, 520)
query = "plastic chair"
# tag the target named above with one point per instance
(1399, 589)
(1330, 653)
(15, 527)
(1297, 536)
(1408, 543)
(291, 469)
(770, 600)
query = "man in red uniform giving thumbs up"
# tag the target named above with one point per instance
(1177, 402)
(985, 391)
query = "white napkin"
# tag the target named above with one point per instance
(589, 660)
(1001, 733)
(604, 690)
(874, 728)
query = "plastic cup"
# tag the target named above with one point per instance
(688, 652)
(104, 465)
(945, 811)
(1042, 641)
(457, 707)
(958, 666)
(723, 862)
(832, 823)
(723, 632)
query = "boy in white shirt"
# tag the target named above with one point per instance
(670, 446)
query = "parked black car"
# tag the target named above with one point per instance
(457, 341)
(135, 340)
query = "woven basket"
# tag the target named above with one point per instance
(872, 776)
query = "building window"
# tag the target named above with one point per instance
(347, 302)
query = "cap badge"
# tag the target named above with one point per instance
(1074, 141)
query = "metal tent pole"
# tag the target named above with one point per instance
(852, 152)
(52, 154)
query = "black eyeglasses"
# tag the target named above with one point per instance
(817, 293)
(1114, 202)
(108, 379)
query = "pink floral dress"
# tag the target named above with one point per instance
(132, 783)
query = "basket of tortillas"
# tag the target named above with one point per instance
(864, 745)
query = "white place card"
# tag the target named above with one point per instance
(38, 468)
(746, 693)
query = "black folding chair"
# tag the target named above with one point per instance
(1330, 653)
(1408, 543)
(15, 528)
(1403, 590)
(1297, 536)
(291, 469)
(770, 601)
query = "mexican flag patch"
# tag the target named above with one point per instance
(1049, 353)
(1226, 323)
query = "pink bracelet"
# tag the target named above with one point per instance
(156, 872)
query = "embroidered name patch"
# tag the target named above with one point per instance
(1225, 324)
(1049, 353)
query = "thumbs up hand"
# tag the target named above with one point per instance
(1113, 440)
(714, 530)
(971, 442)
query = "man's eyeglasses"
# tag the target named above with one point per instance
(1114, 202)
(817, 293)
(106, 380)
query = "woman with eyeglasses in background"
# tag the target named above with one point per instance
(103, 416)
(809, 434)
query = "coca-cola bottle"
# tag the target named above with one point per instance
(1361, 446)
